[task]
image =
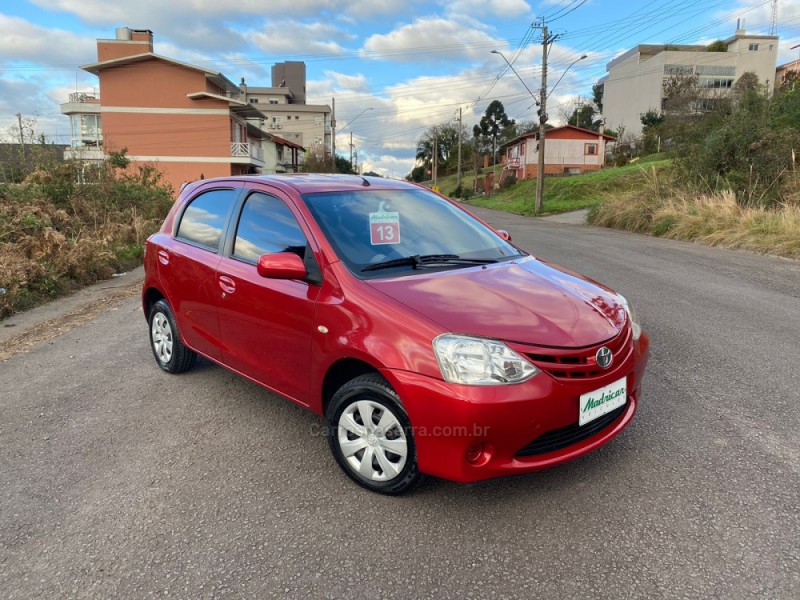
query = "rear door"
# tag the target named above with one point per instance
(266, 324)
(187, 265)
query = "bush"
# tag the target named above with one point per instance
(56, 234)
(747, 146)
(507, 181)
(458, 192)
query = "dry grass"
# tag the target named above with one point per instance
(715, 219)
(55, 237)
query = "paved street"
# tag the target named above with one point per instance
(119, 480)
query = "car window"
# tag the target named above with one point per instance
(267, 225)
(367, 227)
(204, 219)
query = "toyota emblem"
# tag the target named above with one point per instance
(604, 357)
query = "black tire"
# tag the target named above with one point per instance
(165, 340)
(383, 406)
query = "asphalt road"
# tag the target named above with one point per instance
(117, 480)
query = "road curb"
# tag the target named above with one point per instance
(59, 309)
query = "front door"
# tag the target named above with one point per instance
(266, 324)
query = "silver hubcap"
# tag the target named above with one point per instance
(372, 441)
(161, 334)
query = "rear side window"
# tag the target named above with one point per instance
(266, 226)
(204, 219)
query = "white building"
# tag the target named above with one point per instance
(288, 115)
(635, 80)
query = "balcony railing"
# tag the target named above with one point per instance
(245, 149)
(84, 97)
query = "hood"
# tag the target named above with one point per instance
(524, 301)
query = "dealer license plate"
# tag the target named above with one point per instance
(600, 402)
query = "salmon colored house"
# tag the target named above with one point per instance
(569, 150)
(187, 121)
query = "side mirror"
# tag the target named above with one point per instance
(504, 234)
(281, 265)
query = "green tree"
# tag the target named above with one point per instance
(418, 174)
(597, 95)
(445, 137)
(583, 116)
(748, 148)
(651, 119)
(717, 46)
(344, 166)
(494, 125)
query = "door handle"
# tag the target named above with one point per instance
(163, 257)
(227, 285)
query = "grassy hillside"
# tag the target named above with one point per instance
(562, 194)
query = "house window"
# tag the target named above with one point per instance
(753, 48)
(253, 100)
(590, 149)
(86, 131)
(296, 117)
(273, 100)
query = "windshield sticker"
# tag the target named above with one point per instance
(384, 228)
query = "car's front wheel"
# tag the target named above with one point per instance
(170, 352)
(370, 436)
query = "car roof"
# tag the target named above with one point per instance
(323, 182)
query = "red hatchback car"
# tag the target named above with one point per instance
(428, 341)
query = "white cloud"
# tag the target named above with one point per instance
(350, 83)
(293, 37)
(205, 23)
(155, 11)
(433, 38)
(499, 9)
(21, 40)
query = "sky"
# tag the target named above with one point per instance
(396, 68)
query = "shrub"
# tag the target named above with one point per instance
(56, 234)
(507, 181)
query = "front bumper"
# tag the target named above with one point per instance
(493, 424)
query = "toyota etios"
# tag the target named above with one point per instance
(428, 341)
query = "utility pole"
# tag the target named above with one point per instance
(333, 135)
(458, 173)
(21, 134)
(434, 162)
(351, 148)
(546, 42)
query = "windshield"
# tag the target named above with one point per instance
(378, 233)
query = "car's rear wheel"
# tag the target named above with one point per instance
(370, 436)
(169, 351)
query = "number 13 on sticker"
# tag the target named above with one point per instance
(384, 228)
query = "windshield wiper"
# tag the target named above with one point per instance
(428, 259)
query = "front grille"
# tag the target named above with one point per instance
(572, 363)
(569, 435)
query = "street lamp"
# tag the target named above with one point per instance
(510, 66)
(565, 72)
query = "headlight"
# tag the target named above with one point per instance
(477, 361)
(637, 328)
